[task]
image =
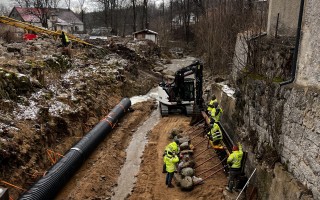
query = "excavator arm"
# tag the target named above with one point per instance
(195, 68)
(183, 93)
(39, 30)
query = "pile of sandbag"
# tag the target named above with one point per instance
(185, 177)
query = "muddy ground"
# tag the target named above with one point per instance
(98, 176)
(151, 180)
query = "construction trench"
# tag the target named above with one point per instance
(140, 175)
(208, 162)
(128, 162)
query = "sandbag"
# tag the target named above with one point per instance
(189, 152)
(186, 183)
(184, 146)
(196, 180)
(190, 164)
(175, 133)
(185, 164)
(188, 171)
(184, 139)
(177, 178)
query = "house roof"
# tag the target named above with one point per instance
(67, 16)
(29, 14)
(64, 16)
(146, 31)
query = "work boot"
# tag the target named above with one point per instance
(171, 186)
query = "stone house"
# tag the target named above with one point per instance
(56, 18)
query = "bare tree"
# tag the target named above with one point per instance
(55, 3)
(68, 3)
(4, 10)
(81, 4)
(218, 29)
(145, 13)
(134, 15)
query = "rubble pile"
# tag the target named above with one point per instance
(30, 48)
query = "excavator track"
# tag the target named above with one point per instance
(164, 110)
(189, 110)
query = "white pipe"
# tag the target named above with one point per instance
(246, 183)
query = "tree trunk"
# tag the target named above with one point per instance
(134, 15)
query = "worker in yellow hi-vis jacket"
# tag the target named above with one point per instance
(234, 161)
(170, 161)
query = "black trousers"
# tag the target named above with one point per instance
(234, 173)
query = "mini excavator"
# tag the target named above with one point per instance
(184, 94)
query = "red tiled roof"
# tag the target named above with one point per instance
(64, 16)
(29, 14)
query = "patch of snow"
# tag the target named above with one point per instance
(27, 112)
(98, 37)
(20, 75)
(57, 108)
(152, 94)
(53, 87)
(71, 74)
(226, 89)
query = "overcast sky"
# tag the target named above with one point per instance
(75, 4)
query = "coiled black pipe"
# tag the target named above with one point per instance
(49, 185)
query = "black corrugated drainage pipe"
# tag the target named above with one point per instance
(49, 185)
(296, 48)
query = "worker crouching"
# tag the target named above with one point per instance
(170, 160)
(234, 161)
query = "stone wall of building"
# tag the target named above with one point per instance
(300, 136)
(308, 73)
(288, 11)
(277, 124)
